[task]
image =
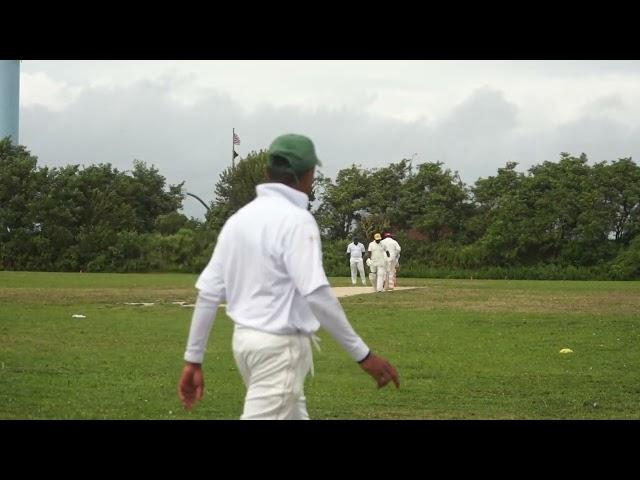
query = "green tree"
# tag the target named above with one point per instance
(435, 201)
(571, 212)
(170, 223)
(20, 189)
(502, 215)
(145, 192)
(236, 187)
(619, 185)
(343, 202)
(387, 205)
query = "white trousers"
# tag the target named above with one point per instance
(357, 263)
(380, 277)
(273, 368)
(392, 263)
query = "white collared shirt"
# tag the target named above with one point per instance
(356, 251)
(267, 258)
(378, 255)
(392, 247)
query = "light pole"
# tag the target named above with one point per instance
(10, 99)
(199, 199)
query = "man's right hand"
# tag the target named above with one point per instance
(191, 385)
(381, 370)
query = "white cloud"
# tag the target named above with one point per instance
(474, 116)
(38, 89)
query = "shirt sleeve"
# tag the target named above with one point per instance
(202, 320)
(326, 308)
(211, 293)
(303, 257)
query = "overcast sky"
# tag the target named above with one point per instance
(472, 115)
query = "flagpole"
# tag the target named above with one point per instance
(233, 151)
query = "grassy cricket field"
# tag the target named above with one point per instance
(465, 349)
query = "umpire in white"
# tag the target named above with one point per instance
(355, 250)
(277, 308)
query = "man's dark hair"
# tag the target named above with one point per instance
(275, 174)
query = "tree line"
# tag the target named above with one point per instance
(93, 219)
(563, 219)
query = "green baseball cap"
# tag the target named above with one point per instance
(298, 153)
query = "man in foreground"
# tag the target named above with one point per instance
(278, 308)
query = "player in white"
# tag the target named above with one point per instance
(393, 255)
(377, 254)
(277, 310)
(355, 250)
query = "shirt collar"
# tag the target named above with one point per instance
(281, 190)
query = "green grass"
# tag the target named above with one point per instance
(465, 349)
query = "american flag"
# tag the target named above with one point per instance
(236, 139)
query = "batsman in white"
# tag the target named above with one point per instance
(277, 309)
(378, 255)
(355, 250)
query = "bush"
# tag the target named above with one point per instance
(626, 266)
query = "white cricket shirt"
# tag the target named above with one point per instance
(378, 255)
(392, 247)
(267, 258)
(356, 251)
